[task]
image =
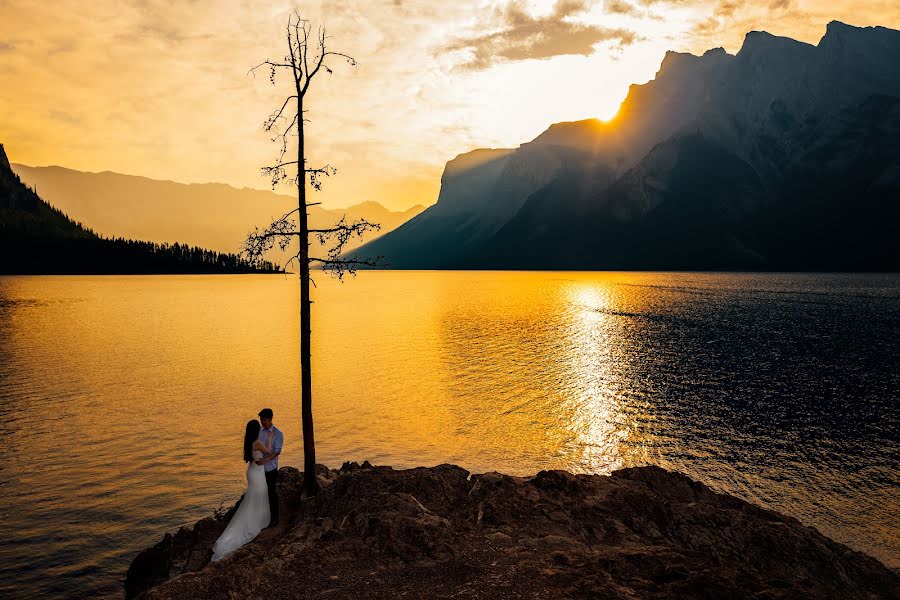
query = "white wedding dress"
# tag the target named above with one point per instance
(251, 516)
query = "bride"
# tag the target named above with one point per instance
(252, 514)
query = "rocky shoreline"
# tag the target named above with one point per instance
(439, 532)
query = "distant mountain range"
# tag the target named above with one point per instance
(37, 238)
(785, 156)
(212, 215)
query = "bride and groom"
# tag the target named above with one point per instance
(258, 509)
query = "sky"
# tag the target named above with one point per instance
(161, 88)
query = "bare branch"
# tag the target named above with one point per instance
(272, 67)
(342, 232)
(315, 176)
(277, 172)
(306, 29)
(350, 60)
(368, 262)
(273, 118)
(268, 63)
(346, 266)
(320, 61)
(294, 258)
(280, 165)
(291, 50)
(279, 232)
(328, 231)
(285, 216)
(321, 64)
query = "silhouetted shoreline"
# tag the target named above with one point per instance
(39, 239)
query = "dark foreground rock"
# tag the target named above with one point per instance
(376, 532)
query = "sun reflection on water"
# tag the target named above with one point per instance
(595, 408)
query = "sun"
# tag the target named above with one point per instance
(607, 115)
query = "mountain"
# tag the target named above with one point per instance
(376, 213)
(24, 213)
(785, 155)
(212, 215)
(36, 237)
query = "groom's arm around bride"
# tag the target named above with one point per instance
(276, 439)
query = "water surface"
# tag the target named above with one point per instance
(123, 399)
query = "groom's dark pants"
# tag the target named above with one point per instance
(273, 493)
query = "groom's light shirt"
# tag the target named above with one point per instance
(277, 443)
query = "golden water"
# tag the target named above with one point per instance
(123, 399)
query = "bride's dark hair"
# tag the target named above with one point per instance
(250, 436)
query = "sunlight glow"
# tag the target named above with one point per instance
(597, 416)
(607, 116)
(389, 124)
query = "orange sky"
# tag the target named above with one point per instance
(161, 89)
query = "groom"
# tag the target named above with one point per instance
(270, 460)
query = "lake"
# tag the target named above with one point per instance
(123, 399)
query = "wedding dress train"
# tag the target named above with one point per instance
(251, 516)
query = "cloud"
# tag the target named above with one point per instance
(523, 37)
(727, 8)
(620, 7)
(726, 22)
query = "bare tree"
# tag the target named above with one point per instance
(307, 57)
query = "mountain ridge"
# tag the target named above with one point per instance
(212, 215)
(588, 194)
(38, 238)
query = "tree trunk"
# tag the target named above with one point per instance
(310, 482)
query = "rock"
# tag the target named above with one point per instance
(438, 532)
(188, 550)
